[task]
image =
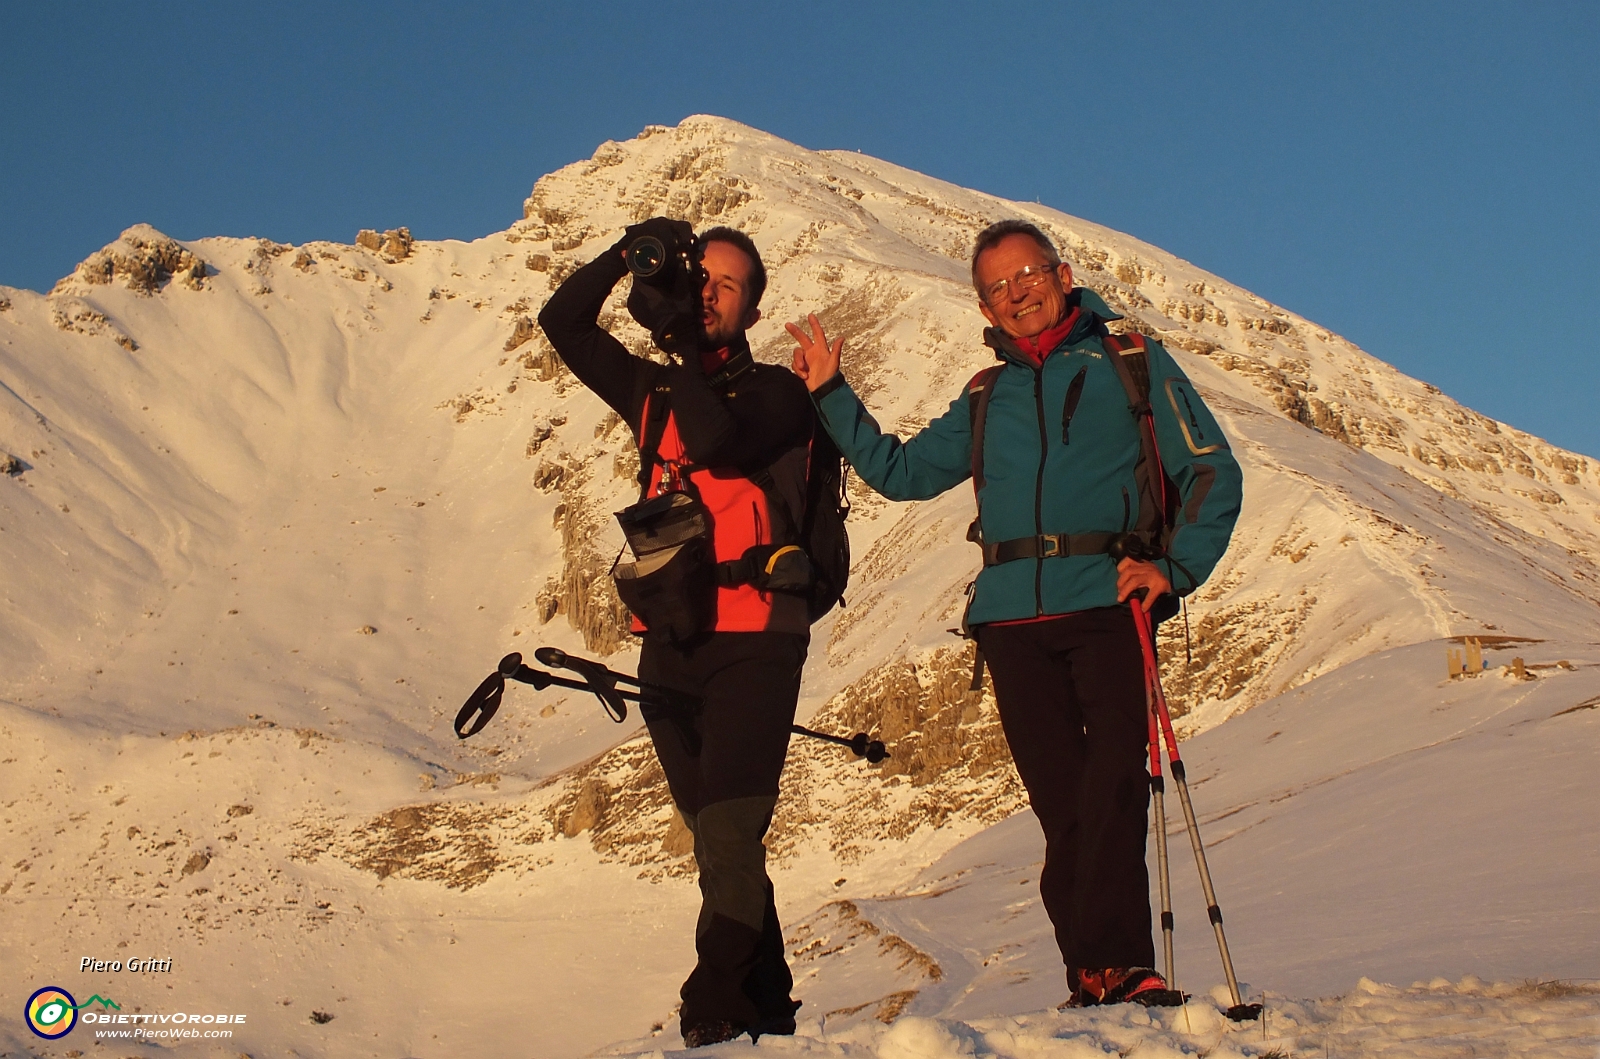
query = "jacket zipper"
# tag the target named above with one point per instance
(1038, 490)
(1074, 394)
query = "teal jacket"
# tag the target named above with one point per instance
(1041, 477)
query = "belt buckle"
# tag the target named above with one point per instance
(1052, 547)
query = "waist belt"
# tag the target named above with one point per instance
(1048, 546)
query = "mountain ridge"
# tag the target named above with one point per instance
(271, 511)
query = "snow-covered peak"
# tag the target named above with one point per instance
(268, 513)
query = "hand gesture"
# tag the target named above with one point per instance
(814, 360)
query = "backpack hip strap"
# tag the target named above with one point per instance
(1048, 546)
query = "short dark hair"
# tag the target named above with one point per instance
(758, 271)
(991, 236)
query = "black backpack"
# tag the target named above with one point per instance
(822, 531)
(825, 538)
(821, 534)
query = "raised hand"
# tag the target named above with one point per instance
(815, 360)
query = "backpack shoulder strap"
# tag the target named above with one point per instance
(1129, 355)
(979, 390)
(657, 406)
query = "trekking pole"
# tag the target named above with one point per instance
(482, 704)
(1157, 790)
(602, 681)
(1240, 1011)
(871, 749)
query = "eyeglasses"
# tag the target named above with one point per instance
(1027, 279)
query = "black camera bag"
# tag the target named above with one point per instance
(671, 585)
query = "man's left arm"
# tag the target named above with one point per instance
(1197, 458)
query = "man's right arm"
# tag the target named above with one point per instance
(937, 458)
(571, 321)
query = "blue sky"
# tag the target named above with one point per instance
(1420, 177)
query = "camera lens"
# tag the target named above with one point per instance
(646, 255)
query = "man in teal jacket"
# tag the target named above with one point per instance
(1059, 491)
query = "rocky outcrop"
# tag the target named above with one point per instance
(143, 260)
(72, 315)
(522, 332)
(394, 244)
(583, 592)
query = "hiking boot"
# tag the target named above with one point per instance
(713, 1032)
(776, 1025)
(1123, 985)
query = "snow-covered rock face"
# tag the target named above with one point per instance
(189, 396)
(1378, 511)
(330, 484)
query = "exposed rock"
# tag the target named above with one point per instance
(548, 475)
(1231, 645)
(76, 316)
(585, 592)
(947, 744)
(395, 243)
(542, 361)
(453, 843)
(679, 840)
(588, 809)
(144, 259)
(541, 433)
(524, 331)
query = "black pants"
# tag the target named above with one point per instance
(1072, 702)
(726, 788)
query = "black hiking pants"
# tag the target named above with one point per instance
(1072, 702)
(750, 682)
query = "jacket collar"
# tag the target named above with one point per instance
(722, 366)
(1092, 315)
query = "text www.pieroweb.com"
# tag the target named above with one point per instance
(148, 1027)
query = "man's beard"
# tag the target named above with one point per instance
(721, 336)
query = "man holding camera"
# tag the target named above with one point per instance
(730, 438)
(1075, 519)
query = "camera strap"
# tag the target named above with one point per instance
(738, 362)
(657, 409)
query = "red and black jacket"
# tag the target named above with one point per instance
(716, 436)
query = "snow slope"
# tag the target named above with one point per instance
(1380, 823)
(269, 512)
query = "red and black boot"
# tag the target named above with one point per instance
(1121, 985)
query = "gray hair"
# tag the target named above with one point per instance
(991, 236)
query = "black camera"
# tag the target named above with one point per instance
(668, 281)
